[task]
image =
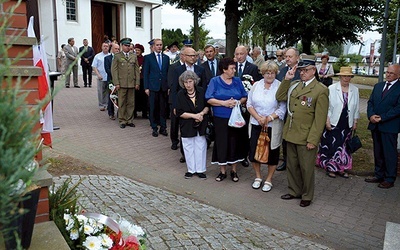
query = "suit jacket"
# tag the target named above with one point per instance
(309, 106)
(89, 54)
(250, 69)
(387, 107)
(154, 78)
(107, 66)
(175, 82)
(283, 71)
(71, 52)
(125, 72)
(336, 103)
(171, 70)
(208, 73)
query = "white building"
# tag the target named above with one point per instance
(80, 19)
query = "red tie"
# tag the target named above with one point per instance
(386, 89)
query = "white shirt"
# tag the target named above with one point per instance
(98, 63)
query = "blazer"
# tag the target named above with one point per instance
(71, 52)
(284, 70)
(336, 103)
(154, 78)
(107, 66)
(250, 69)
(171, 70)
(307, 111)
(89, 54)
(175, 80)
(208, 73)
(387, 107)
(125, 72)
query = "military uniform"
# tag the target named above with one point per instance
(125, 73)
(307, 112)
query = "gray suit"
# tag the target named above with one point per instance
(71, 54)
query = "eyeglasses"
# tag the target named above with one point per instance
(279, 55)
(191, 55)
(305, 70)
(269, 73)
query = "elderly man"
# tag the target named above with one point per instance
(280, 60)
(72, 56)
(257, 57)
(307, 106)
(126, 78)
(384, 122)
(102, 85)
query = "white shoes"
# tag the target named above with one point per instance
(267, 186)
(256, 183)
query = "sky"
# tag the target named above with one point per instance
(173, 18)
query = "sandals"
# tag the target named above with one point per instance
(256, 183)
(344, 175)
(220, 177)
(234, 176)
(267, 186)
(331, 174)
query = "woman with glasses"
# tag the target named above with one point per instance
(343, 113)
(266, 112)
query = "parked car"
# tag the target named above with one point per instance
(360, 71)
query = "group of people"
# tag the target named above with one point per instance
(312, 122)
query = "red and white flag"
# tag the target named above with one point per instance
(40, 60)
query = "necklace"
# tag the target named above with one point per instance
(192, 95)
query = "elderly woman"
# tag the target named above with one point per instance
(140, 96)
(325, 71)
(192, 109)
(223, 93)
(343, 113)
(266, 111)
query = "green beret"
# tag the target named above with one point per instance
(126, 41)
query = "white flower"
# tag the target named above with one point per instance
(74, 234)
(106, 241)
(88, 229)
(82, 219)
(130, 229)
(92, 243)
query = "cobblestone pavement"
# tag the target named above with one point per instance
(345, 213)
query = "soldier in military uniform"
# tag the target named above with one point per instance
(307, 104)
(126, 78)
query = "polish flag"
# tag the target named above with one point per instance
(40, 60)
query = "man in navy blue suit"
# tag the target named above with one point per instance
(155, 73)
(384, 122)
(211, 65)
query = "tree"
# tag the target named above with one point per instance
(170, 36)
(319, 22)
(203, 35)
(199, 8)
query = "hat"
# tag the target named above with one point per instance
(345, 71)
(151, 42)
(125, 41)
(187, 42)
(139, 46)
(175, 43)
(306, 60)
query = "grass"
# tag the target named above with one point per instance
(364, 80)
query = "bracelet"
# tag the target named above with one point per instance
(272, 118)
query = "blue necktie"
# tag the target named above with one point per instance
(159, 60)
(212, 68)
(240, 70)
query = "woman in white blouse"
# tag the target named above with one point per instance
(266, 111)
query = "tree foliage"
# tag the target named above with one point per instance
(199, 8)
(171, 35)
(314, 21)
(203, 35)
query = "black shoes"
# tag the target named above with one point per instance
(174, 146)
(281, 167)
(77, 86)
(163, 132)
(155, 133)
(188, 175)
(131, 125)
(122, 125)
(386, 185)
(304, 203)
(289, 197)
(67, 87)
(182, 159)
(245, 163)
(202, 175)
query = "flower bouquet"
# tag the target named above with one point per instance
(92, 231)
(247, 82)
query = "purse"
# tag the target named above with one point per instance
(354, 143)
(262, 149)
(236, 119)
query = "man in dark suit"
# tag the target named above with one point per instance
(211, 65)
(107, 66)
(190, 57)
(292, 58)
(86, 62)
(155, 70)
(384, 115)
(244, 67)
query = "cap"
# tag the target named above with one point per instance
(151, 42)
(126, 41)
(172, 44)
(187, 42)
(306, 60)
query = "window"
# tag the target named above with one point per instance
(71, 9)
(139, 17)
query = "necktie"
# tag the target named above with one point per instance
(386, 89)
(212, 68)
(126, 56)
(240, 70)
(159, 60)
(304, 85)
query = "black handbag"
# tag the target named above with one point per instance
(327, 81)
(354, 143)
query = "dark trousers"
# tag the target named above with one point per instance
(174, 131)
(141, 100)
(158, 104)
(87, 71)
(385, 155)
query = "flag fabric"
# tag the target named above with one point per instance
(40, 60)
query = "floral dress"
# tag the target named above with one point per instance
(333, 155)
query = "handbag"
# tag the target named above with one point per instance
(354, 143)
(327, 81)
(262, 149)
(236, 119)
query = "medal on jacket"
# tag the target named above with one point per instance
(309, 100)
(303, 102)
